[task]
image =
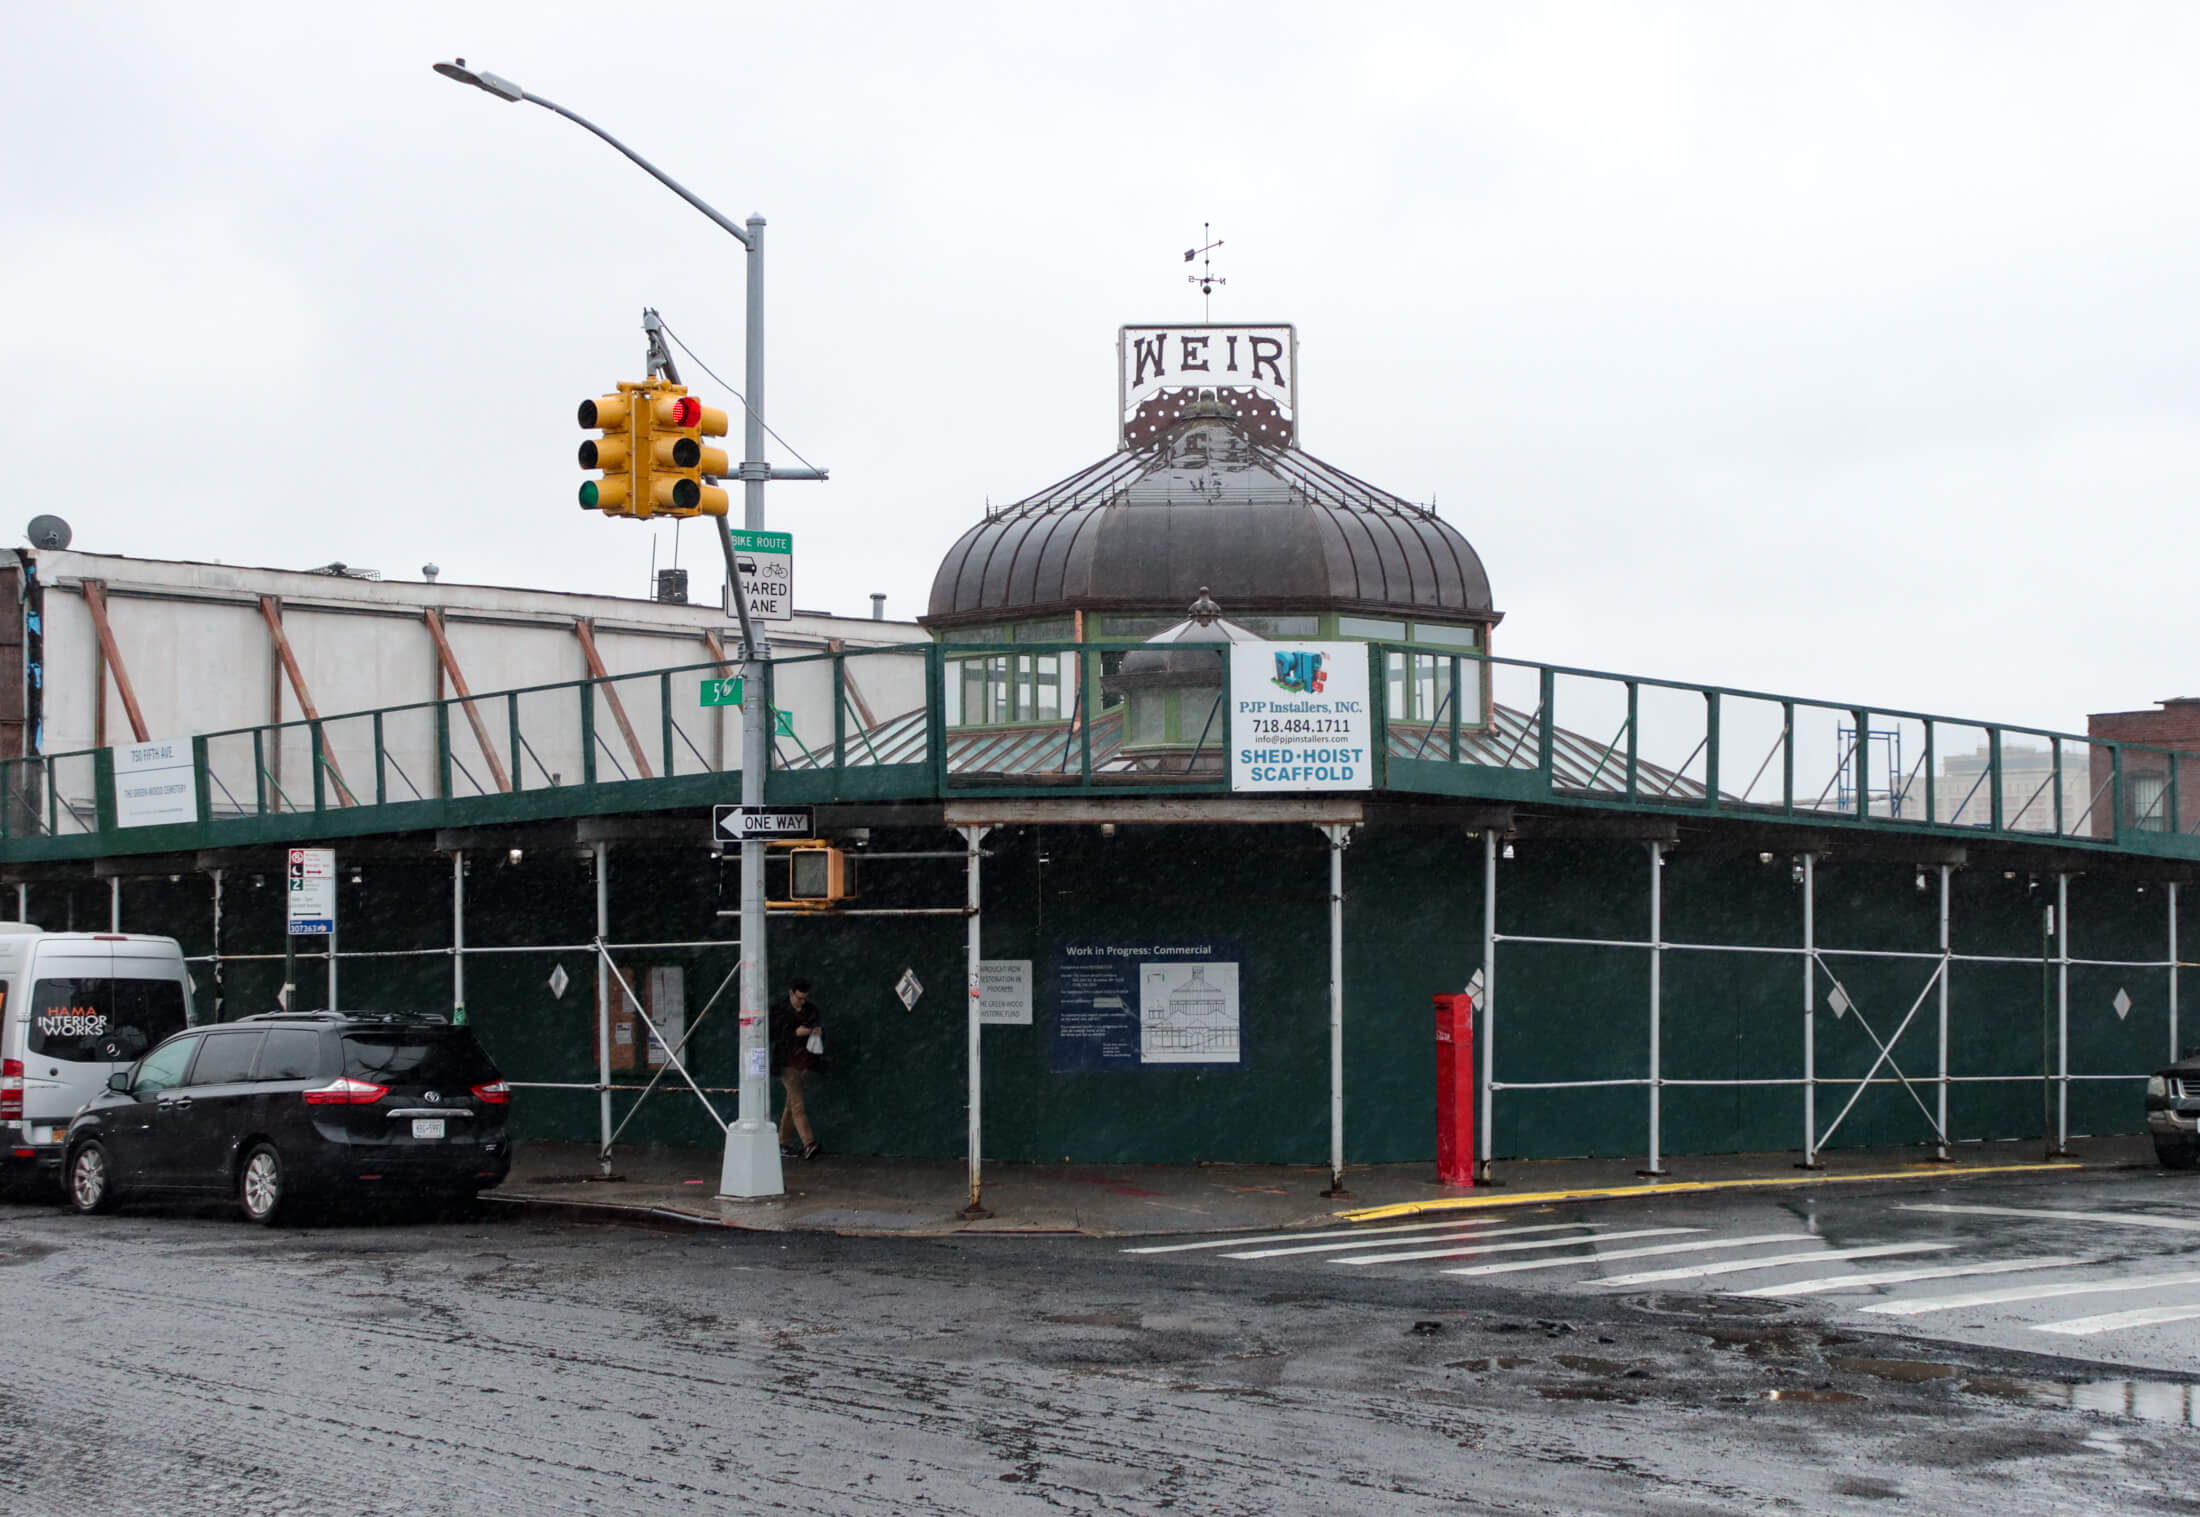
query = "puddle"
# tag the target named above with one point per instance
(2148, 1400)
(1812, 1395)
(1908, 1371)
(1579, 1393)
(1589, 1366)
(1506, 1362)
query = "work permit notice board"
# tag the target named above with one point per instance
(1126, 1006)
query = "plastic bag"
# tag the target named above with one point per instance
(816, 1044)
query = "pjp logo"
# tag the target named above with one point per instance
(1301, 673)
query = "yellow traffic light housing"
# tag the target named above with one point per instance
(651, 453)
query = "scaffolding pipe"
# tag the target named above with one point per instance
(114, 904)
(1810, 1011)
(1941, 1151)
(603, 1007)
(2062, 1012)
(332, 951)
(1657, 1004)
(458, 937)
(2173, 1044)
(1486, 1013)
(216, 876)
(1339, 836)
(973, 867)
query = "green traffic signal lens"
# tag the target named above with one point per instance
(588, 496)
(686, 495)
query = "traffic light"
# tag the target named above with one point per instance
(651, 453)
(819, 876)
(678, 459)
(613, 453)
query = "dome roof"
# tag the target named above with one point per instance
(1268, 527)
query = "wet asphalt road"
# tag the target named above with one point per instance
(170, 1361)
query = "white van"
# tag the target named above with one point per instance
(74, 1008)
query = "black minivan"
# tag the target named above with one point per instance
(291, 1108)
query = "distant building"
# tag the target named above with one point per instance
(2151, 803)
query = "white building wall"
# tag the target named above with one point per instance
(201, 661)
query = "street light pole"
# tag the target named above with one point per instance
(751, 1166)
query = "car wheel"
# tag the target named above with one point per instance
(91, 1180)
(260, 1184)
(2177, 1153)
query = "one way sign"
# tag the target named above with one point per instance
(738, 824)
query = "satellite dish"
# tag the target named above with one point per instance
(47, 532)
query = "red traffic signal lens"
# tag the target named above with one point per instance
(588, 413)
(686, 411)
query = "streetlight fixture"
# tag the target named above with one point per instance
(751, 1166)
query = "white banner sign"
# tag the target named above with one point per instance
(1004, 992)
(154, 786)
(1188, 1013)
(1299, 717)
(312, 892)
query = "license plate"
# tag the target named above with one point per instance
(428, 1127)
(49, 1134)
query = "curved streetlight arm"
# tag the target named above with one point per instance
(643, 164)
(505, 89)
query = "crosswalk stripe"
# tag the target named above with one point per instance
(1769, 1261)
(1501, 1248)
(1913, 1307)
(2145, 1316)
(2119, 1218)
(1409, 1228)
(1904, 1276)
(1452, 1235)
(1629, 1253)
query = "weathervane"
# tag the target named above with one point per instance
(1205, 278)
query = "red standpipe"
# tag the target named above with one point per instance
(1455, 1089)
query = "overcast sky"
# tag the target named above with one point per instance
(1843, 350)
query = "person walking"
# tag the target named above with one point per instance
(797, 1029)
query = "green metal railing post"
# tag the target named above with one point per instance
(381, 778)
(1993, 777)
(1379, 672)
(202, 786)
(511, 724)
(1932, 798)
(1545, 746)
(1787, 757)
(259, 766)
(443, 750)
(320, 760)
(1634, 736)
(1863, 763)
(664, 711)
(2115, 796)
(935, 716)
(588, 733)
(840, 715)
(1457, 668)
(2055, 772)
(1711, 749)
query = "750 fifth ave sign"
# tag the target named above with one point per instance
(1258, 364)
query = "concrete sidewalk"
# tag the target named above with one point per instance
(924, 1197)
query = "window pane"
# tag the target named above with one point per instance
(1372, 628)
(1055, 629)
(1135, 626)
(291, 1053)
(225, 1058)
(975, 635)
(71, 1018)
(163, 1068)
(1200, 722)
(1046, 688)
(973, 692)
(1149, 717)
(996, 689)
(151, 1009)
(1450, 637)
(1279, 626)
(1399, 709)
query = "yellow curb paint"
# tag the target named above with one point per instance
(1676, 1188)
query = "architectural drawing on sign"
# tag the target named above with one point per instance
(1188, 1013)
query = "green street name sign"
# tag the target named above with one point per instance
(727, 692)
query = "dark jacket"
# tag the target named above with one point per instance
(789, 1051)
